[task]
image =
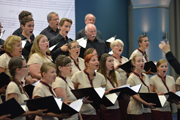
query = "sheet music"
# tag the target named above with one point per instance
(111, 39)
(76, 105)
(100, 91)
(52, 47)
(162, 99)
(24, 107)
(178, 93)
(39, 9)
(23, 43)
(136, 88)
(112, 97)
(2, 33)
(59, 102)
(82, 42)
(34, 84)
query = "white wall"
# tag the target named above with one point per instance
(10, 10)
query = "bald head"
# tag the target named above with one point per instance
(89, 18)
(90, 31)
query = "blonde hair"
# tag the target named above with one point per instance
(133, 60)
(35, 47)
(113, 43)
(46, 66)
(161, 61)
(9, 43)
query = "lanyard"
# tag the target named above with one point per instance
(65, 81)
(50, 88)
(91, 82)
(23, 90)
(144, 54)
(142, 80)
(117, 59)
(75, 63)
(164, 81)
(111, 82)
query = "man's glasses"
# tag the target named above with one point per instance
(76, 47)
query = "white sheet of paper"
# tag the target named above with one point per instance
(2, 34)
(136, 88)
(124, 86)
(111, 39)
(111, 52)
(24, 107)
(82, 42)
(112, 97)
(100, 91)
(23, 43)
(52, 47)
(76, 105)
(178, 93)
(162, 99)
(59, 102)
(34, 84)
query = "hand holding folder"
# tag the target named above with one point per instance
(150, 68)
(126, 89)
(170, 96)
(96, 95)
(54, 105)
(159, 100)
(11, 107)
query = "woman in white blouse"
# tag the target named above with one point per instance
(39, 54)
(77, 62)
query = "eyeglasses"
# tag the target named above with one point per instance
(55, 19)
(119, 45)
(68, 65)
(25, 66)
(76, 47)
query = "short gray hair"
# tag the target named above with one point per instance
(50, 15)
(87, 15)
(86, 27)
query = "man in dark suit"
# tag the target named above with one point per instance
(89, 19)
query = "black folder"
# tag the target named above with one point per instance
(107, 102)
(93, 96)
(5, 79)
(171, 95)
(150, 65)
(128, 67)
(152, 98)
(11, 107)
(50, 104)
(85, 92)
(126, 90)
(29, 89)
